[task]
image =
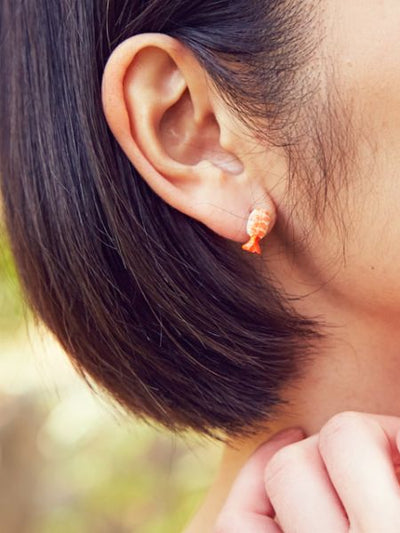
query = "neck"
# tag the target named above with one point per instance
(360, 371)
(357, 369)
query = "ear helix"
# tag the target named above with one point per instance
(257, 227)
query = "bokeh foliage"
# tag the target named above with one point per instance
(11, 306)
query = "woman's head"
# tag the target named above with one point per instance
(135, 139)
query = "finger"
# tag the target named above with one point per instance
(358, 450)
(391, 426)
(301, 492)
(247, 498)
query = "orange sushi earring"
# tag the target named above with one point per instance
(257, 227)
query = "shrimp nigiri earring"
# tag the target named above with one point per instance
(257, 227)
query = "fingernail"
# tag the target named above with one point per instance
(289, 433)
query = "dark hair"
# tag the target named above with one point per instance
(171, 319)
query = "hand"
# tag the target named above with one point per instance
(339, 480)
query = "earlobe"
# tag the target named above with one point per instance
(159, 105)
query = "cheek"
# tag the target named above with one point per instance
(364, 42)
(357, 246)
(369, 277)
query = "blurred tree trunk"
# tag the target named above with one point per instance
(20, 462)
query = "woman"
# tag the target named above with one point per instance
(137, 137)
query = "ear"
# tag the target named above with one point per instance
(167, 117)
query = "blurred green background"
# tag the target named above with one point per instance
(68, 461)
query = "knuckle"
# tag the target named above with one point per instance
(282, 462)
(337, 427)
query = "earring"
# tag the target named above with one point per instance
(257, 227)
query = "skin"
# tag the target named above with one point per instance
(326, 482)
(187, 144)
